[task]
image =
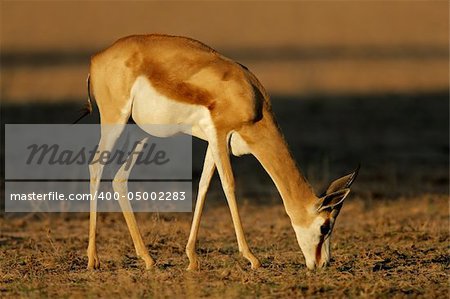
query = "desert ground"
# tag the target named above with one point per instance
(384, 249)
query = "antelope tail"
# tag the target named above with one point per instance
(88, 106)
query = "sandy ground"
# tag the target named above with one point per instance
(388, 248)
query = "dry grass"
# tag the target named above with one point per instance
(385, 248)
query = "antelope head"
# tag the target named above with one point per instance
(314, 235)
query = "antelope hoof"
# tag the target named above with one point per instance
(253, 260)
(255, 264)
(93, 262)
(194, 265)
(149, 262)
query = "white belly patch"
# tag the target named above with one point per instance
(152, 108)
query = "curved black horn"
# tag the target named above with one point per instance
(353, 177)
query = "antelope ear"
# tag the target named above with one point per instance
(330, 201)
(343, 182)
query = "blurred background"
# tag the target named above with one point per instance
(351, 81)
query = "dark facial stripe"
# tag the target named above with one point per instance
(319, 246)
(319, 249)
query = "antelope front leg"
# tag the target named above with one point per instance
(221, 156)
(207, 173)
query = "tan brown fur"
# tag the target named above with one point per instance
(179, 68)
(269, 147)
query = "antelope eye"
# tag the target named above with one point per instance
(325, 229)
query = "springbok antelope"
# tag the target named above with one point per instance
(161, 79)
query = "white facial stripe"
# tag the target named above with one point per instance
(308, 238)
